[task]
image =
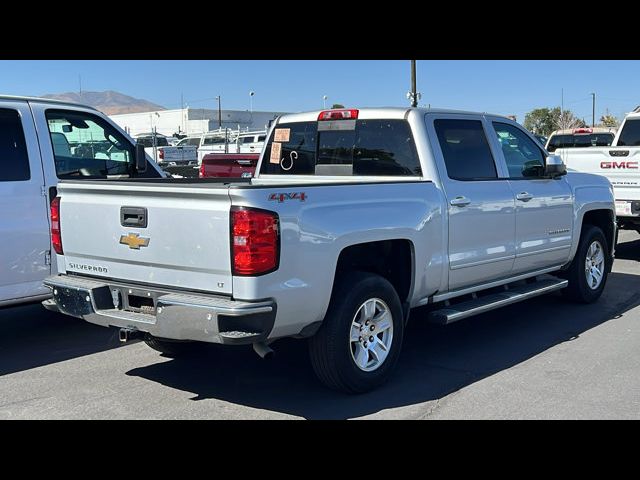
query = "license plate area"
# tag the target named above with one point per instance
(623, 208)
(134, 300)
(140, 304)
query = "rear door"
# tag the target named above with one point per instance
(479, 201)
(544, 207)
(24, 221)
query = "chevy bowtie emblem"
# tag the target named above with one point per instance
(134, 241)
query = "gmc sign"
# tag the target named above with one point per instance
(606, 165)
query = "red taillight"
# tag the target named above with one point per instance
(202, 169)
(254, 241)
(56, 235)
(338, 115)
(583, 130)
(161, 153)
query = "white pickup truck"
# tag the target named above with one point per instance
(620, 163)
(354, 218)
(165, 155)
(41, 142)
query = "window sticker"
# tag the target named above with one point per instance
(276, 151)
(282, 135)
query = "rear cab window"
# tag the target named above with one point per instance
(380, 147)
(580, 140)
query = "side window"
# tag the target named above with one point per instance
(87, 145)
(14, 160)
(262, 138)
(524, 158)
(466, 151)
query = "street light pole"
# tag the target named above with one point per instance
(251, 94)
(219, 113)
(324, 102)
(593, 110)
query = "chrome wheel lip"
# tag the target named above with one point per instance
(594, 265)
(371, 334)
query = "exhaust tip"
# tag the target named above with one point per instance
(263, 350)
(127, 334)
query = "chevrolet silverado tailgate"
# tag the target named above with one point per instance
(173, 235)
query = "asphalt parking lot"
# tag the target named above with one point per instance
(544, 358)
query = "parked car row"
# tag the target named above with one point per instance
(344, 223)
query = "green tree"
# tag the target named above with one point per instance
(543, 121)
(566, 120)
(608, 121)
(540, 121)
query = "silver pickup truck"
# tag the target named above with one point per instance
(354, 218)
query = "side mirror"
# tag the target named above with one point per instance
(554, 166)
(141, 158)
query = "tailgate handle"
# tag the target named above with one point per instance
(133, 217)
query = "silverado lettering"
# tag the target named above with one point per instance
(87, 268)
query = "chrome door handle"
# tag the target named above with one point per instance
(460, 202)
(524, 196)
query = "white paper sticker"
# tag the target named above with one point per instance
(276, 151)
(282, 135)
(623, 208)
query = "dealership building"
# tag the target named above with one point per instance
(193, 121)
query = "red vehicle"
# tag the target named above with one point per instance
(229, 165)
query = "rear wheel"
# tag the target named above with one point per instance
(359, 342)
(589, 269)
(172, 348)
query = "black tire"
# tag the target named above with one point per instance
(172, 348)
(579, 290)
(331, 350)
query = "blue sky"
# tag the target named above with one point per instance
(506, 87)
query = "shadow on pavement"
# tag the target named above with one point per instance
(31, 336)
(436, 360)
(628, 250)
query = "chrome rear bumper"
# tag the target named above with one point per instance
(173, 315)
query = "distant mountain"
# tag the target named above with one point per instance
(109, 102)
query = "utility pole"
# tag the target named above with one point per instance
(561, 101)
(414, 93)
(219, 113)
(593, 110)
(181, 112)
